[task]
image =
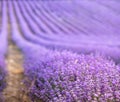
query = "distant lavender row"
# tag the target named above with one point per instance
(3, 47)
(82, 43)
(43, 36)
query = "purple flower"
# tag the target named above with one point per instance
(67, 77)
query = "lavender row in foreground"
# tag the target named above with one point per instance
(67, 77)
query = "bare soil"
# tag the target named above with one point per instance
(14, 90)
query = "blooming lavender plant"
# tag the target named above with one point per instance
(67, 77)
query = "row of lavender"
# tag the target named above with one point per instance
(3, 46)
(62, 31)
(101, 19)
(51, 75)
(62, 76)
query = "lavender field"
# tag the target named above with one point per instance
(59, 51)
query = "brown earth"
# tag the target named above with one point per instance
(14, 90)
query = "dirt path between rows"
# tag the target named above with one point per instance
(14, 90)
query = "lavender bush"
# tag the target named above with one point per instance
(66, 77)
